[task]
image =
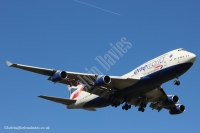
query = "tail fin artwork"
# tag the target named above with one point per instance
(75, 91)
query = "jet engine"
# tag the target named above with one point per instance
(178, 109)
(59, 76)
(172, 99)
(102, 80)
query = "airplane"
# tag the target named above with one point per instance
(138, 88)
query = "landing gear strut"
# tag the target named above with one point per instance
(115, 104)
(126, 106)
(176, 81)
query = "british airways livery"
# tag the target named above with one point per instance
(138, 87)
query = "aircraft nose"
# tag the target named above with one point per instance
(192, 57)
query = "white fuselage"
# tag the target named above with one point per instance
(172, 58)
(178, 56)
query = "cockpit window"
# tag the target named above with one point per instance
(182, 49)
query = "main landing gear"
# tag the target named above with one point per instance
(115, 102)
(176, 81)
(141, 108)
(126, 106)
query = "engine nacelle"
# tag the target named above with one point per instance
(178, 109)
(59, 76)
(102, 80)
(172, 99)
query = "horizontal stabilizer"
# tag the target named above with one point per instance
(58, 99)
(90, 109)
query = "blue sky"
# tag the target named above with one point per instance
(69, 35)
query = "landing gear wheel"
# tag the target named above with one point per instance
(142, 110)
(129, 106)
(176, 82)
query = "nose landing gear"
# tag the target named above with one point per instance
(176, 81)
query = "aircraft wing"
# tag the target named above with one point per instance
(117, 82)
(58, 100)
(157, 99)
(44, 71)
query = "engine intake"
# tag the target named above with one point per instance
(172, 99)
(59, 76)
(102, 80)
(178, 109)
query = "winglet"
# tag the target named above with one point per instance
(9, 63)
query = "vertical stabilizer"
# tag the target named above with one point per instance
(75, 91)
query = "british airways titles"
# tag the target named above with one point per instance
(153, 63)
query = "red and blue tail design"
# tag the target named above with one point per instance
(75, 91)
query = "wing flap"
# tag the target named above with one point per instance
(157, 98)
(116, 81)
(156, 95)
(58, 99)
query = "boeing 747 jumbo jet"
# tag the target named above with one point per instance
(138, 87)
